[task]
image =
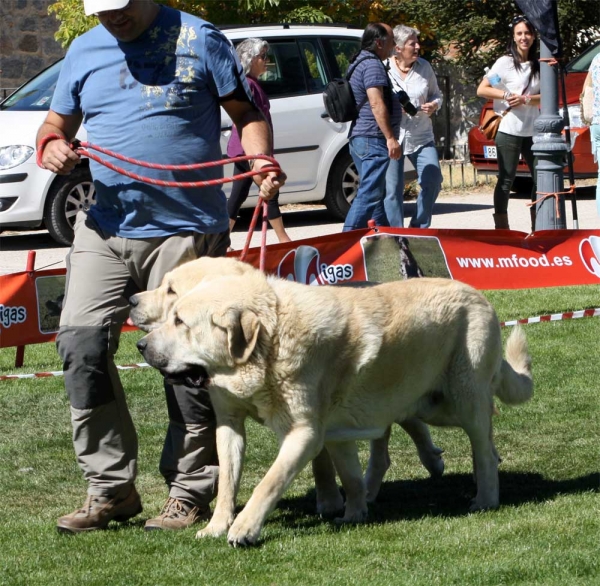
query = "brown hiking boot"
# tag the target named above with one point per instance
(98, 511)
(177, 514)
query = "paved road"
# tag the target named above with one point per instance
(467, 211)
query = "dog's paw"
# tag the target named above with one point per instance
(432, 461)
(354, 517)
(241, 536)
(330, 506)
(213, 529)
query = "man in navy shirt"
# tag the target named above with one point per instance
(147, 83)
(373, 134)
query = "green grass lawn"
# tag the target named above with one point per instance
(546, 532)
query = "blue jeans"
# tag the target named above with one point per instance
(371, 157)
(426, 162)
(595, 138)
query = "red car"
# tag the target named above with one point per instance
(483, 151)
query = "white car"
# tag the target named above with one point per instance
(311, 148)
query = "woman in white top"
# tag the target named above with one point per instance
(593, 79)
(519, 72)
(413, 79)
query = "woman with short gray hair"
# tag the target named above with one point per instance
(249, 49)
(253, 54)
(415, 85)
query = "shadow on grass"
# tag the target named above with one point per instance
(406, 500)
(449, 496)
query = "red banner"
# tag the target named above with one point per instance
(30, 303)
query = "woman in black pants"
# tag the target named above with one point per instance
(518, 95)
(253, 56)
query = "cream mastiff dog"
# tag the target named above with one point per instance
(150, 309)
(327, 365)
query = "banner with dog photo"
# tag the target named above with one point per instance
(485, 259)
(30, 302)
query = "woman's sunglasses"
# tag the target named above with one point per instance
(517, 19)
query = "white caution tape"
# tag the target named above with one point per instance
(553, 317)
(61, 373)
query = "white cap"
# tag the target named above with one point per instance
(93, 6)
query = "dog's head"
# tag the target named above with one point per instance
(150, 309)
(54, 306)
(213, 332)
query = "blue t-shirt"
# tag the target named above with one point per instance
(367, 74)
(154, 99)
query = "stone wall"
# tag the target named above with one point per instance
(27, 42)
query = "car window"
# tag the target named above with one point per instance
(316, 69)
(295, 67)
(285, 71)
(36, 94)
(582, 63)
(341, 52)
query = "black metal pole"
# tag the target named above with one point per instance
(567, 119)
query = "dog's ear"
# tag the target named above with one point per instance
(242, 332)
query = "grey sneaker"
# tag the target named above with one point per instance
(98, 511)
(177, 514)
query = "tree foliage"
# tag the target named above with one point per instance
(73, 21)
(470, 33)
(307, 14)
(474, 33)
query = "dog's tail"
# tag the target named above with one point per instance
(516, 382)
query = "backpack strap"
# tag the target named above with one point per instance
(355, 65)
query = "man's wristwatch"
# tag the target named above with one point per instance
(251, 162)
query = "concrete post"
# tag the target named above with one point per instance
(550, 149)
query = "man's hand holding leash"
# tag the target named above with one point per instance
(269, 183)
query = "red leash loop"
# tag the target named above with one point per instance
(81, 148)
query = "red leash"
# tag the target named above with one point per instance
(262, 204)
(81, 148)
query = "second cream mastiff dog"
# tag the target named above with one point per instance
(328, 365)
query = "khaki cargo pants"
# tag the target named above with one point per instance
(103, 271)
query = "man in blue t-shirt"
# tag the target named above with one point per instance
(147, 83)
(373, 134)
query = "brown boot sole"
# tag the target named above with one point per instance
(119, 519)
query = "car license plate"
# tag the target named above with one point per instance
(489, 152)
